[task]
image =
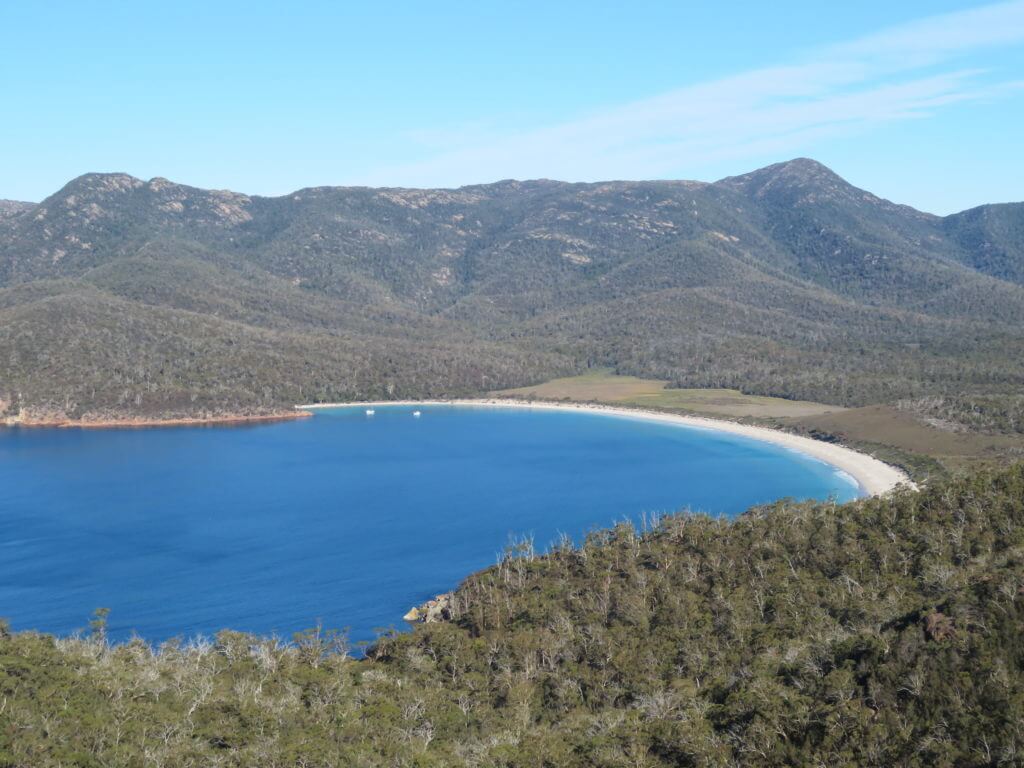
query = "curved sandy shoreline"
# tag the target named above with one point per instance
(873, 477)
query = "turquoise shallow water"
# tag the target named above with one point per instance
(342, 517)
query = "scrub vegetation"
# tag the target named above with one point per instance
(877, 633)
(605, 387)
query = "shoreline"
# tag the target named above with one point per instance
(872, 476)
(135, 423)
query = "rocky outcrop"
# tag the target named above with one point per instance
(438, 609)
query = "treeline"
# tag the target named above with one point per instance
(883, 632)
(81, 352)
(172, 339)
(992, 413)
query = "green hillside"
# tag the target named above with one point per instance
(122, 296)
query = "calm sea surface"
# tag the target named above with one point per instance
(342, 517)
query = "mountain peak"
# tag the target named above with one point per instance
(805, 166)
(803, 182)
(102, 196)
(799, 172)
(97, 184)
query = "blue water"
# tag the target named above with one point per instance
(342, 517)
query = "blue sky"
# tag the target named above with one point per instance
(921, 102)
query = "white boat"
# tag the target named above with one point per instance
(416, 414)
(369, 411)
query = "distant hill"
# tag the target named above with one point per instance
(13, 207)
(990, 239)
(119, 295)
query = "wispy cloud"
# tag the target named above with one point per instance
(901, 73)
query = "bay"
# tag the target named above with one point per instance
(343, 517)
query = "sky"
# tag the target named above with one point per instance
(919, 102)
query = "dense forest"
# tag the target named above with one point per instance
(882, 632)
(124, 297)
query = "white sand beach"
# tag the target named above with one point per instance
(874, 477)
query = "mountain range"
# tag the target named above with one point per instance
(120, 296)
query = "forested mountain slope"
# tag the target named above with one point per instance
(884, 632)
(990, 238)
(12, 207)
(119, 295)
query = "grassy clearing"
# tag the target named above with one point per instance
(887, 426)
(605, 387)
